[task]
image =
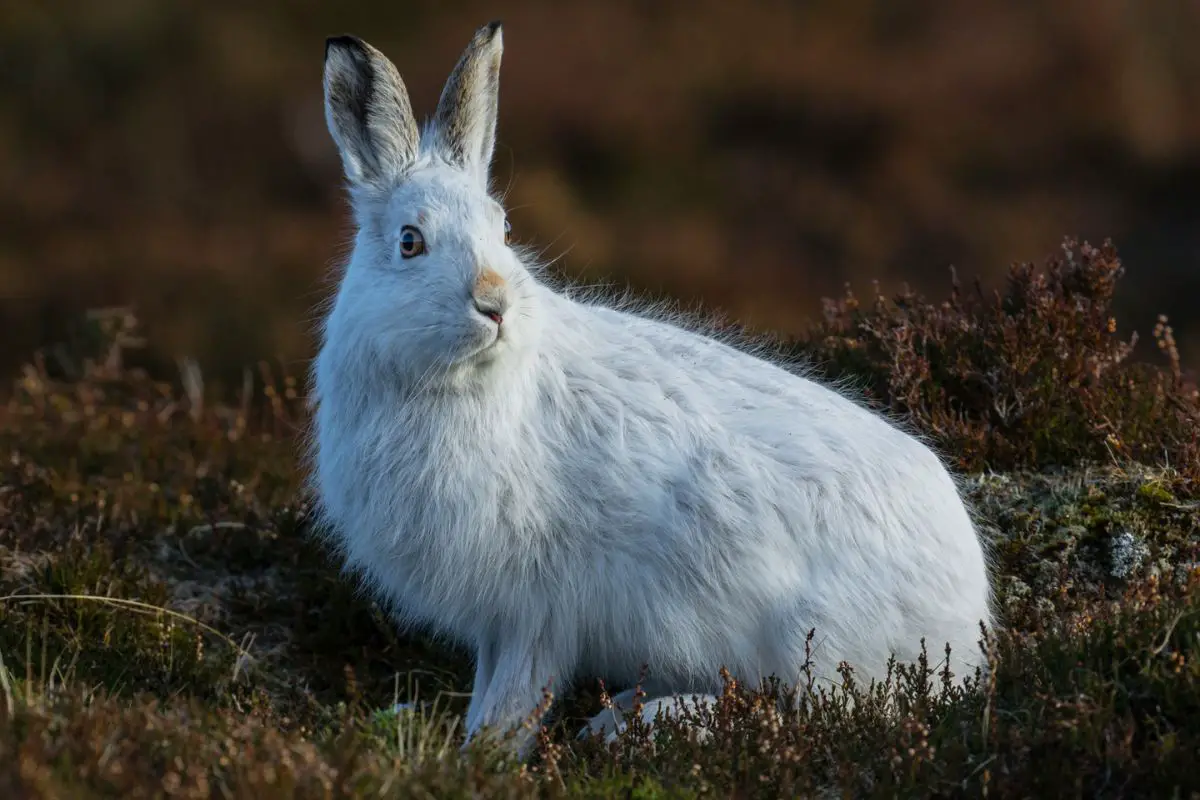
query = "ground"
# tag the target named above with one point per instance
(168, 626)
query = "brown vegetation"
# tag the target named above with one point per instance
(1032, 375)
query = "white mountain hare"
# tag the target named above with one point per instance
(576, 490)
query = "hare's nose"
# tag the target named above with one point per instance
(494, 313)
(490, 294)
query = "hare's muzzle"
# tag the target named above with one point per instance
(491, 295)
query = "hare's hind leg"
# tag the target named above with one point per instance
(612, 721)
(612, 718)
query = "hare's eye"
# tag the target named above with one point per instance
(507, 231)
(412, 243)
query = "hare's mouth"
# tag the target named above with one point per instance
(486, 346)
(495, 340)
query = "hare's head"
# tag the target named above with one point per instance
(433, 286)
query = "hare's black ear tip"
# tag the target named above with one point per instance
(343, 42)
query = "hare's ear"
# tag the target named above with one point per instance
(368, 112)
(464, 125)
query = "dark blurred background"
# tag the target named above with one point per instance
(751, 155)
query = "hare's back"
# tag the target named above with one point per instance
(743, 394)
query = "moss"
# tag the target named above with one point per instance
(1053, 533)
(1155, 492)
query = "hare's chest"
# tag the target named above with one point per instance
(431, 521)
(407, 487)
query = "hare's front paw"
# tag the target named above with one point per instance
(513, 703)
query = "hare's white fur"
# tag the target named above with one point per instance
(581, 489)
